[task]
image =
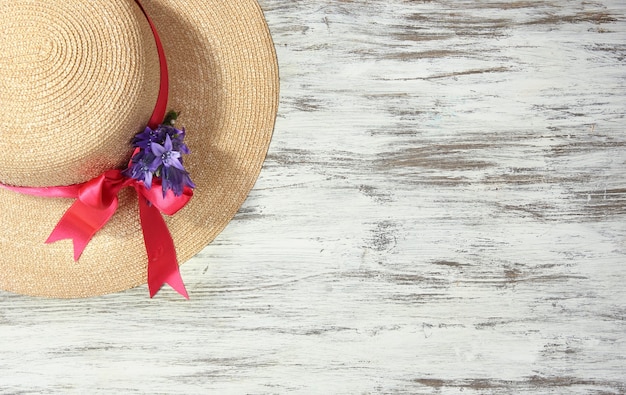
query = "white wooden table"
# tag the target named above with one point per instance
(442, 210)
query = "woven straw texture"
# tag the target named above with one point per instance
(78, 79)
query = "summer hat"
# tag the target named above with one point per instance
(103, 188)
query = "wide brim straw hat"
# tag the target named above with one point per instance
(78, 79)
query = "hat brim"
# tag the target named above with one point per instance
(224, 82)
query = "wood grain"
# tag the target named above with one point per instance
(442, 210)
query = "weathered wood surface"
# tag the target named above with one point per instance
(443, 210)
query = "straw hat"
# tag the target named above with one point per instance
(78, 79)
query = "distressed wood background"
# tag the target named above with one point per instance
(442, 210)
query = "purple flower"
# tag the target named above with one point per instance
(160, 155)
(176, 180)
(165, 155)
(177, 141)
(141, 168)
(148, 136)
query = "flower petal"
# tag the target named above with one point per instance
(158, 149)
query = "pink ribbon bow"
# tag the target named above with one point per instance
(96, 202)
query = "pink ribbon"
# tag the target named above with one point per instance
(97, 201)
(160, 107)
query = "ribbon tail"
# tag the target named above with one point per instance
(79, 223)
(162, 262)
